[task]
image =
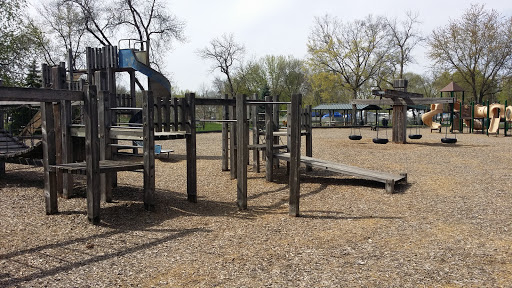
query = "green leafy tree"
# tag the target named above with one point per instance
(282, 75)
(33, 78)
(16, 44)
(354, 51)
(478, 47)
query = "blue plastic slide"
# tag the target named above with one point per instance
(127, 59)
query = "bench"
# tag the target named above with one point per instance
(138, 144)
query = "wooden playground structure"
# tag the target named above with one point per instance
(162, 116)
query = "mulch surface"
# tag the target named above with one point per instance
(450, 226)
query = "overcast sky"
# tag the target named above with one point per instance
(281, 27)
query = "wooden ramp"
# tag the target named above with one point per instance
(386, 178)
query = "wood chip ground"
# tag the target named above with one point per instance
(450, 226)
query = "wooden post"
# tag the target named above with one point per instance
(104, 118)
(190, 111)
(132, 88)
(276, 111)
(158, 112)
(243, 153)
(2, 127)
(167, 112)
(294, 132)
(288, 135)
(225, 137)
(149, 150)
(269, 140)
(67, 146)
(49, 158)
(58, 76)
(399, 124)
(176, 119)
(309, 135)
(92, 155)
(232, 146)
(110, 63)
(182, 114)
(255, 136)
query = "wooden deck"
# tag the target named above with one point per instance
(387, 178)
(131, 134)
(105, 166)
(264, 146)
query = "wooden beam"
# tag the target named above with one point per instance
(49, 158)
(38, 95)
(269, 141)
(149, 149)
(92, 155)
(215, 101)
(105, 141)
(389, 93)
(294, 180)
(243, 152)
(191, 143)
(255, 137)
(232, 143)
(403, 101)
(225, 137)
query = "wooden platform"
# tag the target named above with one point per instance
(131, 134)
(283, 133)
(105, 166)
(264, 146)
(387, 178)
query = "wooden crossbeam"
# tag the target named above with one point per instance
(38, 95)
(389, 93)
(403, 101)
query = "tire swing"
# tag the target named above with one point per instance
(354, 136)
(448, 140)
(416, 135)
(378, 140)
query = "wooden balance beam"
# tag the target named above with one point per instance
(387, 178)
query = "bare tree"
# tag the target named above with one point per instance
(150, 22)
(404, 37)
(478, 46)
(354, 51)
(97, 19)
(227, 56)
(62, 29)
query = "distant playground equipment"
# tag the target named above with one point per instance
(474, 116)
(399, 99)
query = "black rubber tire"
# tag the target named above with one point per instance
(355, 137)
(449, 140)
(415, 136)
(380, 140)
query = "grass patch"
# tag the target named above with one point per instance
(208, 127)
